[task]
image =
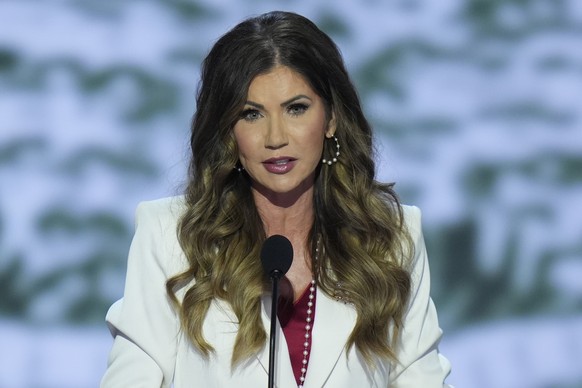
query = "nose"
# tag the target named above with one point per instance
(276, 134)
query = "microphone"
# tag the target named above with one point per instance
(276, 258)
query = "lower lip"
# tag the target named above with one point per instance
(282, 168)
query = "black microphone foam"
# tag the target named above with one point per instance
(276, 255)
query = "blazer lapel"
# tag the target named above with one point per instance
(259, 364)
(284, 377)
(334, 322)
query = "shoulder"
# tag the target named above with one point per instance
(415, 251)
(165, 210)
(412, 219)
(156, 226)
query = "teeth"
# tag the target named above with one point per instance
(282, 161)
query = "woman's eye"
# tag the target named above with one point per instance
(250, 115)
(297, 109)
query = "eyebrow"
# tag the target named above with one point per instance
(284, 103)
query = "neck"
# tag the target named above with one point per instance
(291, 217)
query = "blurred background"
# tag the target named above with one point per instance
(477, 107)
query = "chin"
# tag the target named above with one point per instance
(287, 188)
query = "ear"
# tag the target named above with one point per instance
(331, 127)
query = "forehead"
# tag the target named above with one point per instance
(280, 80)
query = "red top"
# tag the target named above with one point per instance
(292, 319)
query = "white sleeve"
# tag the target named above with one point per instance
(420, 363)
(144, 324)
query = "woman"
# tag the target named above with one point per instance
(275, 105)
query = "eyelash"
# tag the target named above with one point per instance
(294, 110)
(245, 115)
(300, 106)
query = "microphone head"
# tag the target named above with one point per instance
(276, 255)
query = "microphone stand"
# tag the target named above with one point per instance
(276, 258)
(275, 276)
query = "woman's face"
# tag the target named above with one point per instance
(280, 133)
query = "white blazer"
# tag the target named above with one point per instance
(150, 350)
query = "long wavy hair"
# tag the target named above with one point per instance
(358, 221)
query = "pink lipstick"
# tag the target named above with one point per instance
(280, 165)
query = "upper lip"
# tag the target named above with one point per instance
(279, 159)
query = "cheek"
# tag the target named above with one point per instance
(315, 139)
(241, 142)
(247, 147)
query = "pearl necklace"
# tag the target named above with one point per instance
(308, 327)
(308, 324)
